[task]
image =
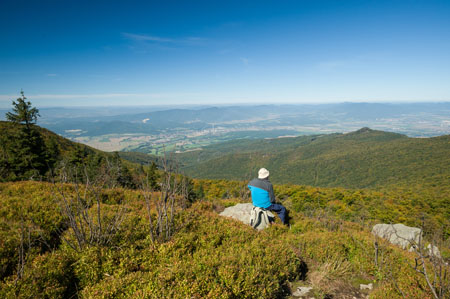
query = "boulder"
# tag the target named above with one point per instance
(398, 234)
(366, 286)
(241, 212)
(433, 251)
(302, 291)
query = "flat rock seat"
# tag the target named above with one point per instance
(242, 213)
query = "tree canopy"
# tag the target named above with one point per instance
(23, 112)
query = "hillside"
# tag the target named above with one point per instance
(362, 159)
(208, 256)
(95, 240)
(11, 130)
(38, 154)
(139, 158)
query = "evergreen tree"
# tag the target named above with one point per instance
(29, 157)
(153, 176)
(26, 156)
(199, 192)
(124, 178)
(52, 153)
(23, 113)
(5, 167)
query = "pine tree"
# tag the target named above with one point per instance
(153, 176)
(26, 158)
(23, 113)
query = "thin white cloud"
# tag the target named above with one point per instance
(191, 40)
(4, 97)
(195, 39)
(52, 75)
(130, 99)
(144, 37)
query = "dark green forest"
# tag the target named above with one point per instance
(35, 153)
(362, 159)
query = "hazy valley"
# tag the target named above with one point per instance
(156, 129)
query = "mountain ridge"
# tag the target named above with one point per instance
(360, 159)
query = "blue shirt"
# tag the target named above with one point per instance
(262, 193)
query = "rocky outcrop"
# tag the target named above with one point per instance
(366, 286)
(433, 251)
(241, 212)
(398, 234)
(302, 291)
(406, 237)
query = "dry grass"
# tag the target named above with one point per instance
(330, 276)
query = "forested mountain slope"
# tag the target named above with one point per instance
(36, 153)
(360, 159)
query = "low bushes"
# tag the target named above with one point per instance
(28, 219)
(49, 275)
(209, 256)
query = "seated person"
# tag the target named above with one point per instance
(262, 195)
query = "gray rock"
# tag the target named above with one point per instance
(405, 236)
(241, 212)
(366, 286)
(434, 251)
(398, 234)
(302, 291)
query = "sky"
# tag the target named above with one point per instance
(121, 53)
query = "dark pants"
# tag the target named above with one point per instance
(280, 210)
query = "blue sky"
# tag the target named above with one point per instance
(77, 53)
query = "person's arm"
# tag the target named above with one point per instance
(271, 194)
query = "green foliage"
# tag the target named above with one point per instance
(211, 256)
(421, 207)
(151, 175)
(26, 209)
(140, 158)
(23, 154)
(361, 159)
(38, 154)
(47, 276)
(23, 112)
(213, 189)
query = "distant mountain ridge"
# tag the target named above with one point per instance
(361, 159)
(341, 117)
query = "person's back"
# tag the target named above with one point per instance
(263, 196)
(262, 192)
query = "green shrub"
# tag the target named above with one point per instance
(27, 211)
(47, 276)
(210, 257)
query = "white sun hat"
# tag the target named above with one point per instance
(263, 173)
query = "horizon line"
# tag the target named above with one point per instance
(229, 104)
